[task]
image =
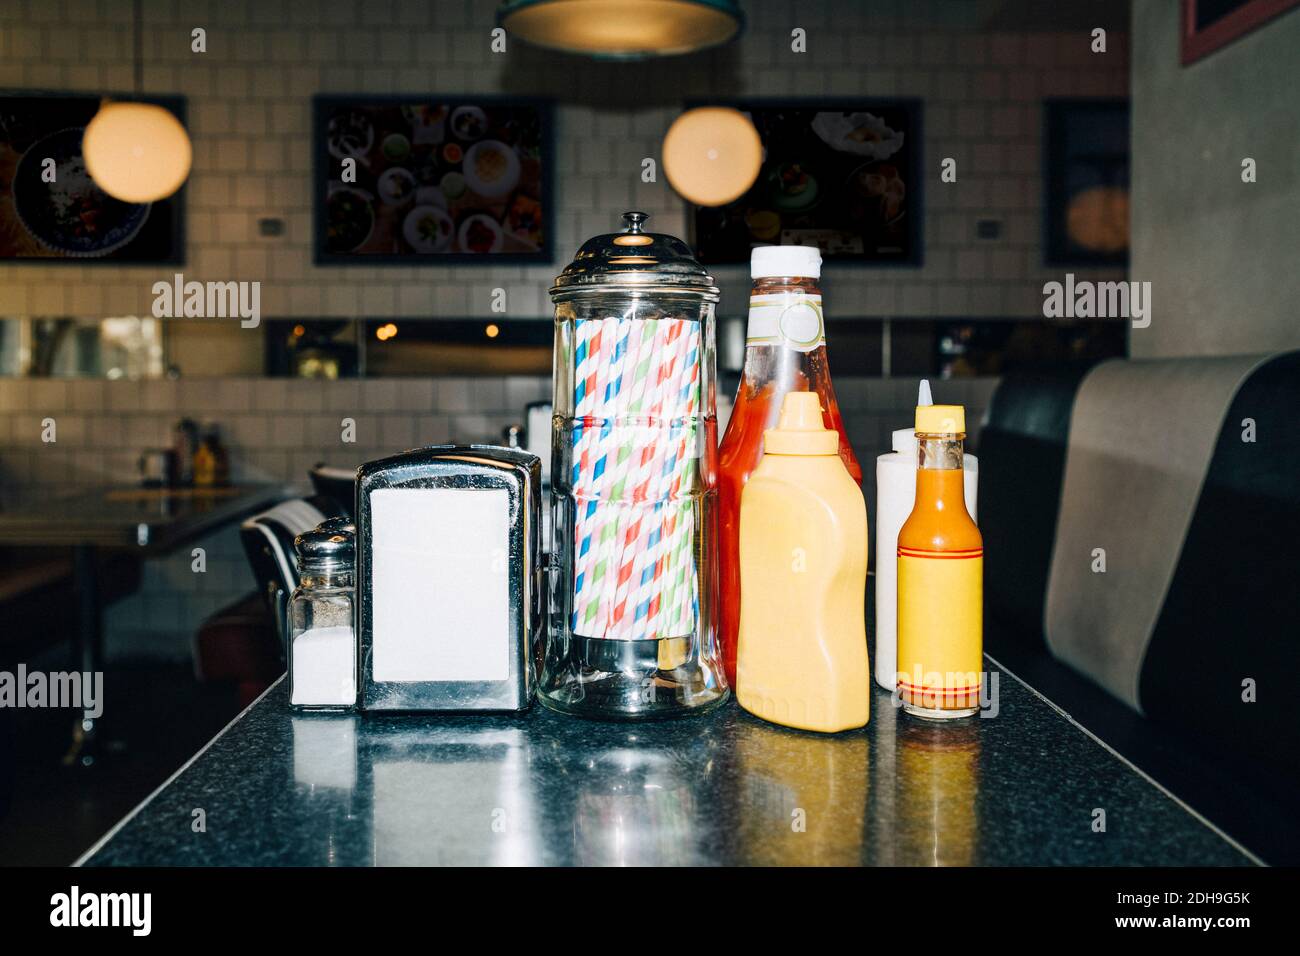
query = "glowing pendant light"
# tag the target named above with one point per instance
(137, 152)
(622, 29)
(712, 155)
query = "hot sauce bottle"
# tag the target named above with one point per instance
(785, 351)
(940, 578)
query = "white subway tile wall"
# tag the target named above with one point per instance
(249, 101)
(249, 113)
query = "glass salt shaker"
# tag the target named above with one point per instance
(322, 648)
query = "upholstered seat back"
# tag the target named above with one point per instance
(268, 543)
(1022, 460)
(1227, 629)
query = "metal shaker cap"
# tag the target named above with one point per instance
(332, 543)
(634, 260)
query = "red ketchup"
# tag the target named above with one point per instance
(785, 351)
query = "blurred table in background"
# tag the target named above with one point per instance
(144, 522)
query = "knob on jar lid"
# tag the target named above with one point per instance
(634, 259)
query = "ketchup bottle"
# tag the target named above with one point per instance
(785, 351)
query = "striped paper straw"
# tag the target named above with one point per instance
(636, 397)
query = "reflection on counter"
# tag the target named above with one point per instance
(325, 753)
(459, 795)
(342, 790)
(641, 806)
(521, 791)
(325, 783)
(936, 780)
(801, 800)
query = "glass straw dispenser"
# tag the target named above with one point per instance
(634, 437)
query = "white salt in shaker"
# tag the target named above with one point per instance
(322, 647)
(895, 496)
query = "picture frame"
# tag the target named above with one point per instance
(441, 179)
(72, 221)
(1086, 182)
(1209, 25)
(866, 205)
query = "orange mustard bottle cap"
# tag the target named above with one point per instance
(800, 430)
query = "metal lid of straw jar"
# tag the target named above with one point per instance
(634, 260)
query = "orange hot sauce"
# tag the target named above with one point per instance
(940, 578)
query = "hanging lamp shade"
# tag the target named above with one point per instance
(136, 152)
(712, 155)
(622, 29)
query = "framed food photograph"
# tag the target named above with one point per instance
(1211, 24)
(50, 208)
(843, 176)
(410, 180)
(1086, 182)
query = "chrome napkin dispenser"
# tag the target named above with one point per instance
(449, 579)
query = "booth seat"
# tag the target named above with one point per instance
(1211, 718)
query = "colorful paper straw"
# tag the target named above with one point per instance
(635, 440)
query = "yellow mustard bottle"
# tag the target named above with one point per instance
(802, 654)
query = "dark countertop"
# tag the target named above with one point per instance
(1023, 787)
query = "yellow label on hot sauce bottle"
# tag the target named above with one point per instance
(940, 627)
